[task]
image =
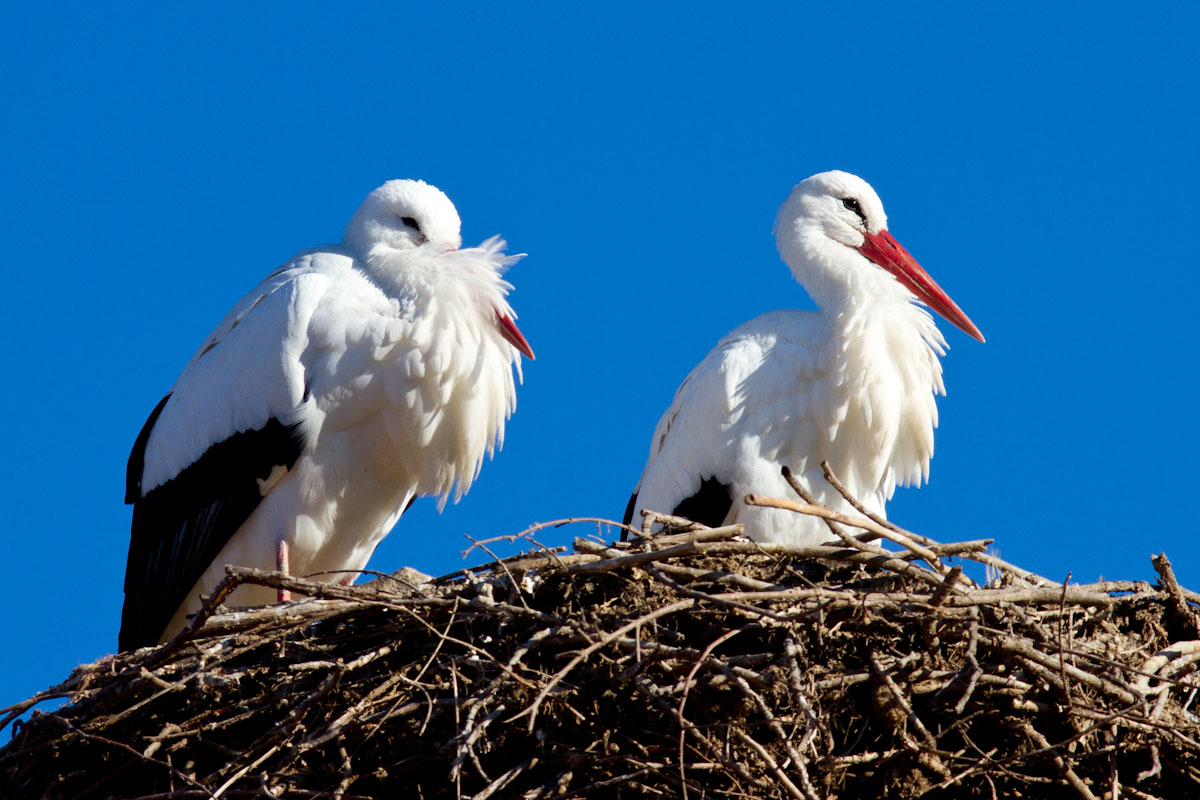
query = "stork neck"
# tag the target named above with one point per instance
(891, 314)
(403, 273)
(885, 351)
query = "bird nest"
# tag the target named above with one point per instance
(691, 663)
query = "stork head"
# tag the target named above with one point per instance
(832, 232)
(404, 222)
(402, 215)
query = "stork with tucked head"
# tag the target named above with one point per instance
(354, 379)
(852, 383)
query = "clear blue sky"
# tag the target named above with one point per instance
(159, 160)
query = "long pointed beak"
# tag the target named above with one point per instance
(883, 249)
(512, 334)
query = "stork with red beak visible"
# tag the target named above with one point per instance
(354, 379)
(852, 383)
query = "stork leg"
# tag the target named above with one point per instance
(281, 564)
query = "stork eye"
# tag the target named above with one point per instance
(853, 204)
(412, 223)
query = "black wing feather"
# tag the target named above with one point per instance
(180, 526)
(709, 506)
(137, 457)
(628, 519)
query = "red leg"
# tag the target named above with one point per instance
(281, 564)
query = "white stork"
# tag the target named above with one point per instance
(852, 383)
(354, 379)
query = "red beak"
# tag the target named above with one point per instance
(882, 249)
(510, 332)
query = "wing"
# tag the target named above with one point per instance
(180, 526)
(689, 442)
(726, 419)
(214, 445)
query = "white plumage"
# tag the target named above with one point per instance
(852, 383)
(352, 380)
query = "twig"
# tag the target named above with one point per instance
(858, 522)
(859, 507)
(762, 753)
(1064, 768)
(1185, 613)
